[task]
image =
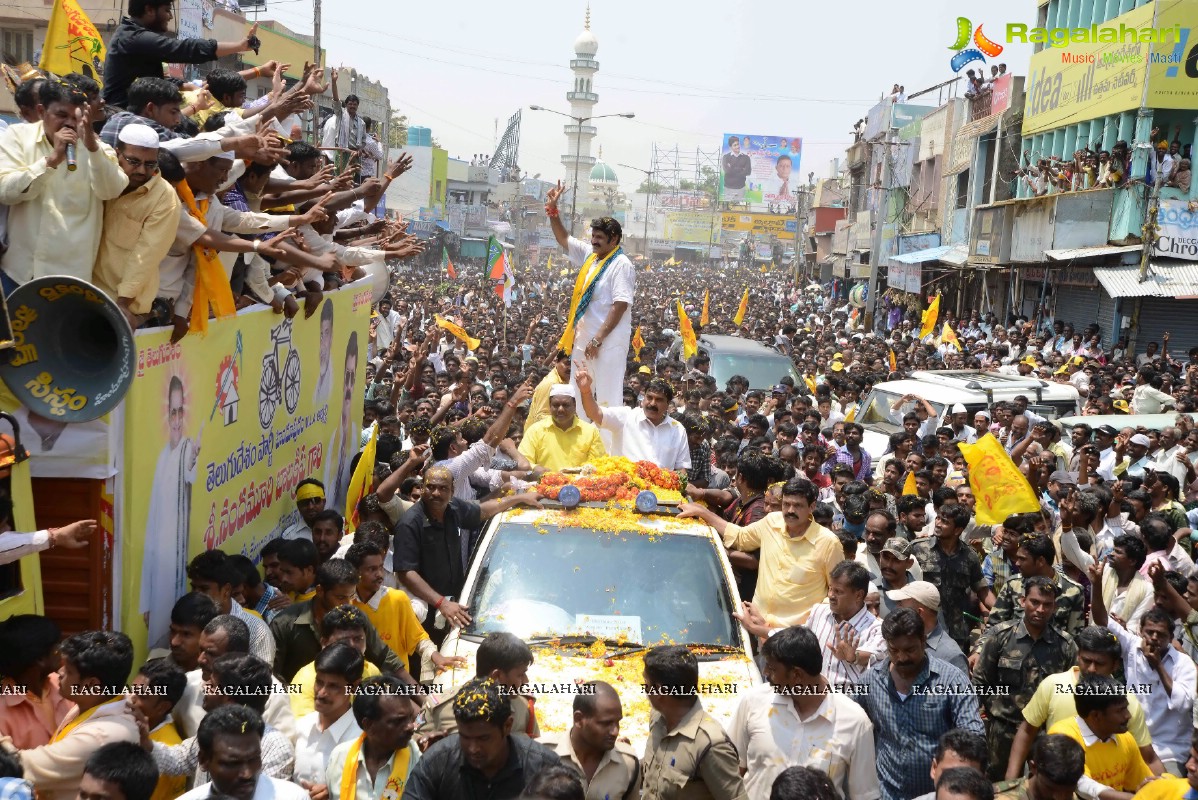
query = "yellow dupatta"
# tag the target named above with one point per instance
(65, 730)
(395, 781)
(212, 284)
(586, 277)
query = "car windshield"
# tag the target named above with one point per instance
(877, 409)
(646, 589)
(763, 371)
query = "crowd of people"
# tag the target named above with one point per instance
(910, 647)
(183, 201)
(1094, 168)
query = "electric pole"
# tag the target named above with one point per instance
(316, 63)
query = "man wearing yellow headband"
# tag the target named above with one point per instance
(309, 501)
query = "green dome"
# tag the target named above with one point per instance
(602, 172)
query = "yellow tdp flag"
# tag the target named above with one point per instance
(638, 344)
(998, 486)
(549, 266)
(744, 306)
(811, 384)
(457, 331)
(909, 484)
(72, 43)
(703, 318)
(689, 345)
(949, 336)
(929, 317)
(362, 480)
(893, 362)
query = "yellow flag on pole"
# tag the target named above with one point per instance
(549, 266)
(72, 43)
(948, 335)
(638, 343)
(998, 486)
(909, 484)
(457, 331)
(703, 318)
(744, 307)
(363, 479)
(689, 345)
(929, 317)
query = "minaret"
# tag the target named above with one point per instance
(582, 99)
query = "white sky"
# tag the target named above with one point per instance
(690, 71)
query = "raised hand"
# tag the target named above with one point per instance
(553, 196)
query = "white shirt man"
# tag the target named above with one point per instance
(268, 788)
(314, 746)
(1169, 714)
(638, 439)
(838, 739)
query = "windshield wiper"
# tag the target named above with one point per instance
(616, 647)
(713, 652)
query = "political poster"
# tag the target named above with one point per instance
(218, 431)
(759, 170)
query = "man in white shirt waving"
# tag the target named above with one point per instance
(647, 433)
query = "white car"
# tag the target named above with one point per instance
(590, 590)
(945, 388)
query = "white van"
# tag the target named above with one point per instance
(975, 390)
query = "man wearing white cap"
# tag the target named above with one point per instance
(924, 597)
(1137, 451)
(959, 417)
(139, 226)
(562, 440)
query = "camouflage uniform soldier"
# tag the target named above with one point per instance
(1034, 556)
(1057, 764)
(1013, 659)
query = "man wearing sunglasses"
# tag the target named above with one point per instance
(139, 226)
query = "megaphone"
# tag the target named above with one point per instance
(70, 353)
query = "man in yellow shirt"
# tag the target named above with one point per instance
(562, 440)
(797, 553)
(1113, 760)
(1098, 653)
(139, 226)
(342, 624)
(538, 408)
(1170, 787)
(158, 687)
(390, 610)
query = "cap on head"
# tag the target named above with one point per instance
(138, 135)
(922, 592)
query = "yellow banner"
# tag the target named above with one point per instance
(1083, 80)
(781, 225)
(1172, 77)
(72, 43)
(698, 227)
(929, 317)
(1000, 488)
(457, 330)
(689, 345)
(218, 432)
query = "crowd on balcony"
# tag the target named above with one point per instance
(1094, 168)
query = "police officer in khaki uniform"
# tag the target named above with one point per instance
(1015, 656)
(688, 756)
(505, 658)
(608, 767)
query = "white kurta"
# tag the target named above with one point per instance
(164, 570)
(617, 285)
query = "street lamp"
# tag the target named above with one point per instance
(648, 191)
(578, 149)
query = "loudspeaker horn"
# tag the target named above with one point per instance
(70, 353)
